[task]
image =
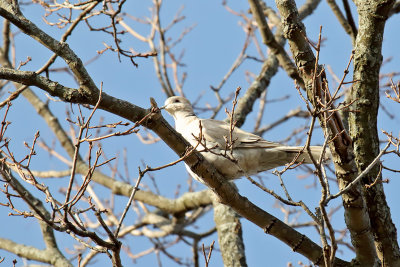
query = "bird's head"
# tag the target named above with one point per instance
(177, 104)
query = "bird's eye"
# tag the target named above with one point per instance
(176, 101)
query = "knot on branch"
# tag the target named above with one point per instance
(150, 120)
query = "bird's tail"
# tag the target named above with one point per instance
(305, 156)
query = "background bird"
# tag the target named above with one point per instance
(233, 153)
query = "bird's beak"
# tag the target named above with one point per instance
(163, 107)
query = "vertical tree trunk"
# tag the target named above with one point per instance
(363, 123)
(230, 237)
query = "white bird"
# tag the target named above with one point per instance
(251, 154)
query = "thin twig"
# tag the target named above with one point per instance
(360, 176)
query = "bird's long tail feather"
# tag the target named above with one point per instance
(304, 157)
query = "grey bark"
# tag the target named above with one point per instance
(363, 123)
(230, 234)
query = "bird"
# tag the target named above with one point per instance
(234, 153)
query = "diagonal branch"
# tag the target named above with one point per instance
(347, 24)
(61, 49)
(49, 256)
(269, 40)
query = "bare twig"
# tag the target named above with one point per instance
(361, 175)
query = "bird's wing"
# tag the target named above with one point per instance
(214, 131)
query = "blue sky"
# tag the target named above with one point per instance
(210, 49)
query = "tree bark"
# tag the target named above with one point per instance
(363, 123)
(230, 237)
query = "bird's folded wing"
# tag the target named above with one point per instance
(214, 131)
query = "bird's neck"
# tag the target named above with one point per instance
(183, 118)
(183, 115)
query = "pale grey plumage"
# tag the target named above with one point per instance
(253, 153)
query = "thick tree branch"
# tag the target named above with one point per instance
(395, 8)
(186, 202)
(49, 256)
(363, 123)
(259, 85)
(71, 95)
(59, 48)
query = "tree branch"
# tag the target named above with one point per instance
(230, 238)
(275, 46)
(363, 123)
(347, 26)
(59, 48)
(51, 254)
